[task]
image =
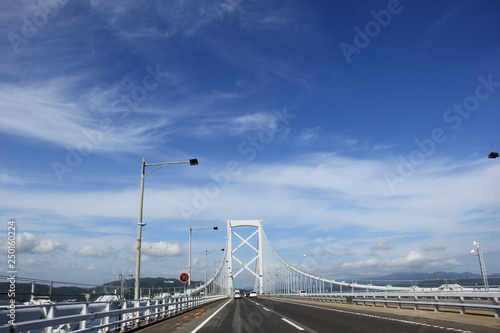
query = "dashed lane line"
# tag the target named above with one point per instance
(285, 319)
(293, 324)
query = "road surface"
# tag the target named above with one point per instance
(276, 316)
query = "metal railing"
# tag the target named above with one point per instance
(438, 301)
(108, 316)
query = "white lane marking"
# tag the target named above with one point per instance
(294, 325)
(283, 318)
(263, 307)
(206, 320)
(380, 317)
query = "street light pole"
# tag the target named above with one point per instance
(477, 251)
(122, 278)
(206, 266)
(190, 244)
(140, 224)
(319, 269)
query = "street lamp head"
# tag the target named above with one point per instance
(493, 155)
(193, 161)
(216, 228)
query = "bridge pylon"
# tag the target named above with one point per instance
(256, 264)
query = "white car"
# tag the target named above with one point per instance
(253, 294)
(237, 295)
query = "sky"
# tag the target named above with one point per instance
(357, 131)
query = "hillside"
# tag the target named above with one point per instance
(428, 276)
(435, 279)
(152, 285)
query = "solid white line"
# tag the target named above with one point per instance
(294, 325)
(206, 320)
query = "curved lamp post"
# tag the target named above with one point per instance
(140, 224)
(191, 233)
(320, 283)
(207, 252)
(477, 251)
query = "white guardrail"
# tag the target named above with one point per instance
(106, 316)
(438, 301)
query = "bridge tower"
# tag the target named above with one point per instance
(257, 261)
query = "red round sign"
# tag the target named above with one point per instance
(184, 277)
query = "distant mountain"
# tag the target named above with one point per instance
(153, 285)
(148, 282)
(148, 286)
(23, 292)
(430, 276)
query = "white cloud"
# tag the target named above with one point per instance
(413, 261)
(90, 251)
(274, 18)
(182, 18)
(430, 248)
(68, 204)
(327, 194)
(41, 112)
(7, 179)
(381, 147)
(27, 261)
(307, 136)
(91, 268)
(253, 122)
(29, 243)
(161, 249)
(382, 244)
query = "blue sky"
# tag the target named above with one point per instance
(356, 130)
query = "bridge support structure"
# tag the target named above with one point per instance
(256, 264)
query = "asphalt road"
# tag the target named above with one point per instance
(266, 315)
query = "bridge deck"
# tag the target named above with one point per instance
(189, 321)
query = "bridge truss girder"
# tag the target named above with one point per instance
(258, 272)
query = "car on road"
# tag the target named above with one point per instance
(237, 295)
(253, 294)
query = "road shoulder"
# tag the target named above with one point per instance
(184, 322)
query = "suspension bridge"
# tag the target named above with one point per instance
(280, 288)
(272, 274)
